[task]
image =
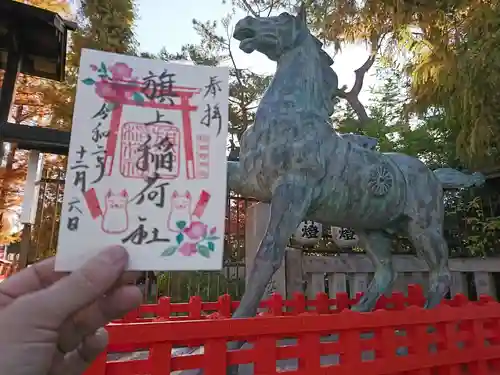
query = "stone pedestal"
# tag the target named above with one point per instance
(337, 283)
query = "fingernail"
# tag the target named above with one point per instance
(117, 254)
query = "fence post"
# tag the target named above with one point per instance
(359, 284)
(294, 276)
(342, 301)
(415, 295)
(337, 283)
(276, 304)
(484, 283)
(163, 309)
(458, 284)
(225, 306)
(298, 303)
(398, 301)
(195, 307)
(132, 316)
(322, 303)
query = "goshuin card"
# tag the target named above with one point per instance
(147, 164)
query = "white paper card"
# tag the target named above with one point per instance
(147, 164)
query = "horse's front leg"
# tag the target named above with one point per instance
(289, 204)
(290, 201)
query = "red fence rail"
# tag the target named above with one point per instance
(465, 340)
(196, 309)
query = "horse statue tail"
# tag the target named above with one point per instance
(453, 179)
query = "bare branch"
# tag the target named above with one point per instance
(241, 98)
(360, 73)
(352, 95)
(270, 8)
(356, 105)
(237, 72)
(249, 8)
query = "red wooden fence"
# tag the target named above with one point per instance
(466, 340)
(195, 309)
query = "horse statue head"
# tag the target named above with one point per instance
(279, 37)
(273, 36)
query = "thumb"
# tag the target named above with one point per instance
(82, 287)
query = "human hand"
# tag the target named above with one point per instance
(51, 323)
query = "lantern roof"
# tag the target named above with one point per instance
(39, 37)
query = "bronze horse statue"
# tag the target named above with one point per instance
(293, 159)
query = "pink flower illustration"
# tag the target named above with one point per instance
(120, 70)
(105, 89)
(187, 249)
(196, 230)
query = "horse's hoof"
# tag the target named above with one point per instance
(358, 308)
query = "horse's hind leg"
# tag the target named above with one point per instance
(431, 246)
(377, 245)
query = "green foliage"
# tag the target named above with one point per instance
(478, 232)
(208, 285)
(456, 69)
(485, 230)
(423, 136)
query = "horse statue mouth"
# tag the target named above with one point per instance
(247, 37)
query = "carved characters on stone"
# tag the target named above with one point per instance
(344, 237)
(308, 233)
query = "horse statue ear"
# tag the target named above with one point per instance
(301, 14)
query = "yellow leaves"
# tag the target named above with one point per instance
(62, 7)
(7, 238)
(455, 68)
(12, 180)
